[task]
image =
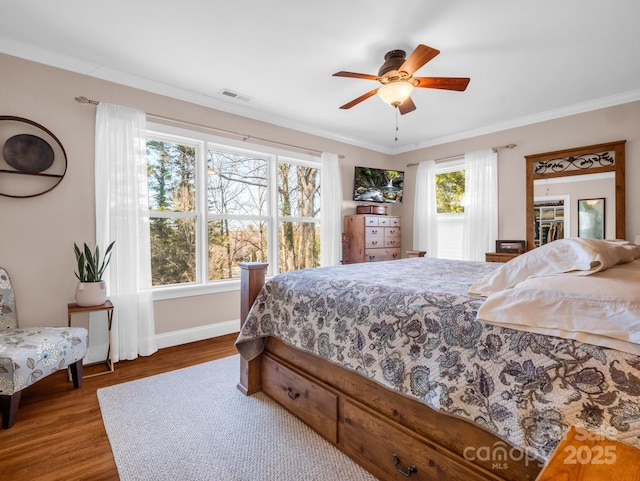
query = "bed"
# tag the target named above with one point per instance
(414, 369)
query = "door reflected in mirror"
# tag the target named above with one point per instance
(551, 218)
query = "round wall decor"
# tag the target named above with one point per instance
(28, 153)
(33, 159)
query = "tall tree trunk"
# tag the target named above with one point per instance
(287, 251)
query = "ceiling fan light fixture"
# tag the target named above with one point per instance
(394, 93)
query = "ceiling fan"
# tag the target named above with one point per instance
(396, 77)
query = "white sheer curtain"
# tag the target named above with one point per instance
(122, 215)
(425, 223)
(481, 203)
(331, 197)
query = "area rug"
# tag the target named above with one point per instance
(193, 424)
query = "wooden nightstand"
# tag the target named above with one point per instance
(585, 455)
(416, 253)
(499, 256)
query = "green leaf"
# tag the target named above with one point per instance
(90, 266)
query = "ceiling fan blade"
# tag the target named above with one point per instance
(406, 106)
(444, 83)
(371, 93)
(355, 75)
(421, 55)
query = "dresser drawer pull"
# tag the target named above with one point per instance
(410, 470)
(291, 394)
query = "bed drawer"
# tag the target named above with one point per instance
(375, 255)
(392, 453)
(312, 403)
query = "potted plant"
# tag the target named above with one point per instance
(91, 289)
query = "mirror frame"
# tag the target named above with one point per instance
(563, 166)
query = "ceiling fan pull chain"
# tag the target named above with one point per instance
(396, 109)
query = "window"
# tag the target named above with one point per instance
(214, 203)
(450, 185)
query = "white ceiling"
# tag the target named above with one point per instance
(527, 60)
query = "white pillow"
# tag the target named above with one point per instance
(575, 255)
(602, 309)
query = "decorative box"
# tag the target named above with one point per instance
(372, 209)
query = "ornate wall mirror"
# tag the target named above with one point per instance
(579, 191)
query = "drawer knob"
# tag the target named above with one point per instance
(292, 394)
(410, 470)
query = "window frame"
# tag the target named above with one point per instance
(202, 141)
(445, 167)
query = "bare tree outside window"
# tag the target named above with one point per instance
(299, 199)
(249, 201)
(237, 186)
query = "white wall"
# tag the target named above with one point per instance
(621, 122)
(37, 234)
(36, 244)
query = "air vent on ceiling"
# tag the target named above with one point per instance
(235, 95)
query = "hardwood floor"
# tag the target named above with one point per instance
(59, 434)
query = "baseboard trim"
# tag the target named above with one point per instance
(175, 338)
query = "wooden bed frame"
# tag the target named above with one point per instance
(387, 433)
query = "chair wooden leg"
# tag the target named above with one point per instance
(9, 404)
(76, 373)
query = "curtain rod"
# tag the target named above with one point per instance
(451, 157)
(245, 137)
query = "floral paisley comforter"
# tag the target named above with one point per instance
(411, 326)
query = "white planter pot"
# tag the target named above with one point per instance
(91, 293)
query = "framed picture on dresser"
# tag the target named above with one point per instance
(511, 246)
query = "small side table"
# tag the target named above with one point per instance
(107, 306)
(499, 256)
(583, 454)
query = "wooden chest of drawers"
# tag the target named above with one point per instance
(371, 238)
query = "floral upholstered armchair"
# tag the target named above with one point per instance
(30, 354)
